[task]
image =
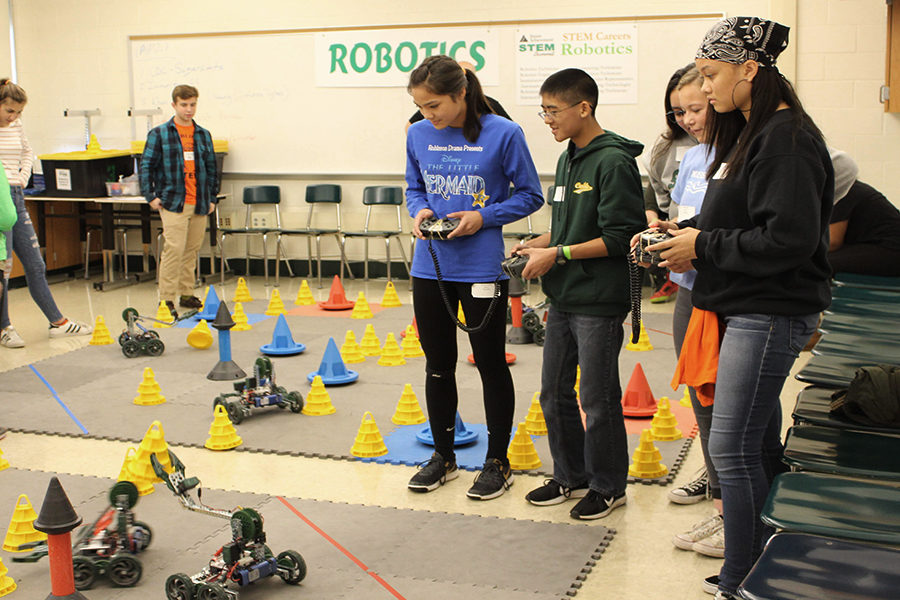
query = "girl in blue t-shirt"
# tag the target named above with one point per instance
(460, 162)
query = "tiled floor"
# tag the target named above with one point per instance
(639, 563)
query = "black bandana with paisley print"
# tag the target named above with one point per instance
(739, 39)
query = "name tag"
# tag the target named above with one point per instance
(720, 174)
(680, 152)
(559, 193)
(482, 290)
(188, 156)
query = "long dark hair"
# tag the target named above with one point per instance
(730, 134)
(673, 130)
(441, 75)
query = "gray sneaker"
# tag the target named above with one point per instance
(712, 545)
(494, 479)
(699, 532)
(10, 338)
(433, 473)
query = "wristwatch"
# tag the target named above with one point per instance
(560, 256)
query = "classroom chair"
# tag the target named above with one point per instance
(799, 566)
(374, 197)
(843, 452)
(872, 282)
(840, 507)
(813, 407)
(268, 197)
(316, 196)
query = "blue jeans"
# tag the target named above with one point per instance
(23, 240)
(745, 437)
(596, 453)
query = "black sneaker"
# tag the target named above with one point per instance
(171, 306)
(433, 473)
(692, 492)
(190, 302)
(595, 505)
(494, 479)
(711, 585)
(553, 492)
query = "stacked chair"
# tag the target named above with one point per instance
(838, 511)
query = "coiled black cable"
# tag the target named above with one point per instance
(636, 276)
(491, 308)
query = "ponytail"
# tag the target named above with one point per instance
(443, 76)
(11, 91)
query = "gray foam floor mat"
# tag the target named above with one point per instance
(352, 551)
(90, 391)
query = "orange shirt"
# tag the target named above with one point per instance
(190, 178)
(698, 364)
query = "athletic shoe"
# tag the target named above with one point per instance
(494, 479)
(70, 327)
(433, 473)
(10, 338)
(693, 492)
(711, 585)
(595, 505)
(553, 492)
(190, 302)
(665, 294)
(720, 595)
(712, 545)
(171, 306)
(700, 531)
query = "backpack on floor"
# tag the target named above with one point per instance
(873, 397)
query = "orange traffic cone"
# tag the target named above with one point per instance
(368, 442)
(647, 459)
(337, 300)
(522, 454)
(638, 399)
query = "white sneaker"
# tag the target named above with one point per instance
(712, 545)
(70, 328)
(10, 338)
(702, 530)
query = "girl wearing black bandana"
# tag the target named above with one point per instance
(760, 251)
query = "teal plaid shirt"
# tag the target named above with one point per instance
(162, 168)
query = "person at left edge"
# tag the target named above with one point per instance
(179, 179)
(460, 162)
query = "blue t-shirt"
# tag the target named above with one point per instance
(447, 173)
(688, 193)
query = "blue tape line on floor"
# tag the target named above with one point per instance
(59, 400)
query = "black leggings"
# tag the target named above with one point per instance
(437, 332)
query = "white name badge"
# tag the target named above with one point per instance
(188, 155)
(559, 193)
(686, 212)
(720, 173)
(680, 152)
(482, 290)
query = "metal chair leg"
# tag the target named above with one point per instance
(387, 254)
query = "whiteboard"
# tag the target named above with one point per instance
(258, 92)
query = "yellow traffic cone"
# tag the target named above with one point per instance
(647, 459)
(140, 469)
(534, 421)
(149, 390)
(408, 410)
(350, 350)
(200, 337)
(370, 344)
(4, 464)
(101, 335)
(144, 486)
(276, 306)
(664, 426)
(390, 298)
(643, 344)
(7, 583)
(460, 314)
(361, 308)
(304, 295)
(391, 355)
(21, 527)
(368, 442)
(129, 456)
(163, 314)
(411, 345)
(222, 435)
(242, 292)
(241, 323)
(522, 454)
(318, 402)
(686, 398)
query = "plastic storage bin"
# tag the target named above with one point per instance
(84, 174)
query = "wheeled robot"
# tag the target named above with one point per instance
(137, 339)
(109, 546)
(258, 391)
(244, 560)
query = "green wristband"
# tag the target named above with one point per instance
(567, 252)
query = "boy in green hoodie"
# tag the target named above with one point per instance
(597, 208)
